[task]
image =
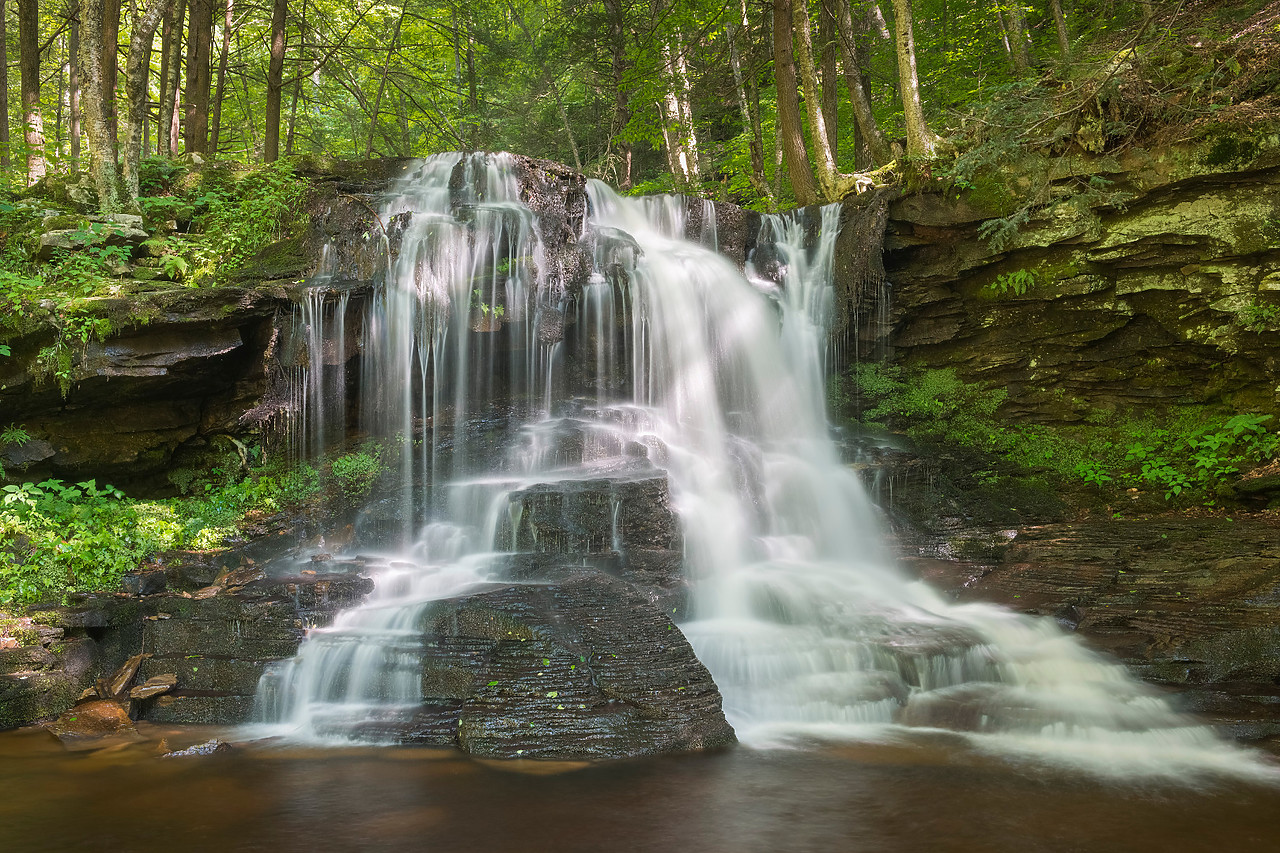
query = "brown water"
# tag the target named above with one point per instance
(867, 798)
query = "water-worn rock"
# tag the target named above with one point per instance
(98, 718)
(215, 648)
(1185, 603)
(578, 666)
(199, 659)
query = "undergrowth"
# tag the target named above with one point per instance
(1187, 455)
(57, 538)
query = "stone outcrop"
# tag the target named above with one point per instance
(577, 665)
(214, 629)
(179, 368)
(1163, 289)
(1185, 603)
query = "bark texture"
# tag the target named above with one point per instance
(104, 166)
(790, 133)
(29, 70)
(195, 133)
(275, 80)
(921, 142)
(136, 74)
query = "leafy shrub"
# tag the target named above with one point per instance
(64, 537)
(158, 175)
(57, 538)
(356, 472)
(248, 215)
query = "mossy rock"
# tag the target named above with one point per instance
(285, 259)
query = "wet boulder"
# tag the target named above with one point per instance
(580, 665)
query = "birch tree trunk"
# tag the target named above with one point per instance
(790, 132)
(29, 71)
(678, 131)
(921, 143)
(104, 167)
(136, 74)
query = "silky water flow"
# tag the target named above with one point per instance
(713, 377)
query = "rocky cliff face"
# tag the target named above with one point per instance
(185, 367)
(1164, 288)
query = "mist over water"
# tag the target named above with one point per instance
(688, 367)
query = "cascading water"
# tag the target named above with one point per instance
(690, 369)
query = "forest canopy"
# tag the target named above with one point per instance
(765, 103)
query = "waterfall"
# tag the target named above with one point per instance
(495, 376)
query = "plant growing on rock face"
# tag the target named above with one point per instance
(74, 333)
(356, 472)
(1260, 317)
(1017, 282)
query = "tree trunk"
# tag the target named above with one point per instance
(220, 86)
(111, 71)
(789, 130)
(195, 133)
(1017, 19)
(4, 89)
(95, 56)
(750, 117)
(170, 72)
(382, 82)
(828, 51)
(677, 112)
(828, 177)
(1060, 22)
(1004, 29)
(855, 80)
(73, 94)
(921, 143)
(136, 75)
(275, 80)
(29, 71)
(303, 59)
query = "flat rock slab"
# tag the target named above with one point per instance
(1187, 603)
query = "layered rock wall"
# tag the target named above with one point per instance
(1165, 289)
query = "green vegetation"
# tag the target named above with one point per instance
(1187, 454)
(1017, 282)
(356, 472)
(204, 226)
(57, 538)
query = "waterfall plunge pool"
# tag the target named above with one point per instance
(932, 796)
